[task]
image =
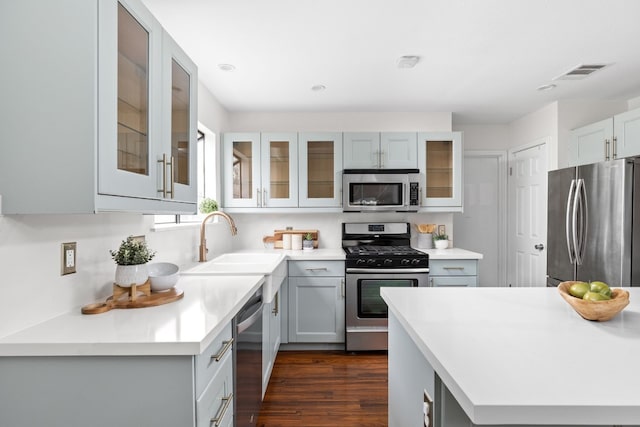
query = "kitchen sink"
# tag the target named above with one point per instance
(271, 265)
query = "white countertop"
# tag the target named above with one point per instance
(451, 253)
(524, 356)
(183, 327)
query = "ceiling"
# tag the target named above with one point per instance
(483, 60)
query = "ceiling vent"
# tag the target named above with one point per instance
(580, 72)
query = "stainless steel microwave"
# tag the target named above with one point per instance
(380, 190)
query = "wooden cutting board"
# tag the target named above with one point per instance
(134, 297)
(278, 236)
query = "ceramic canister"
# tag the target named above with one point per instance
(296, 242)
(286, 241)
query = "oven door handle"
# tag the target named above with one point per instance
(388, 270)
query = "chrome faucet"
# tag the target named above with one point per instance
(203, 241)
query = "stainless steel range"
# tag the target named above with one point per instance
(377, 255)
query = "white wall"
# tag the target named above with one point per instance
(484, 137)
(534, 126)
(347, 122)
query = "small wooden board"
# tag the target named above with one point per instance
(136, 297)
(277, 244)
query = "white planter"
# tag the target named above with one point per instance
(127, 275)
(441, 244)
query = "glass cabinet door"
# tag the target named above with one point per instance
(320, 169)
(440, 162)
(129, 107)
(179, 123)
(279, 170)
(133, 94)
(241, 162)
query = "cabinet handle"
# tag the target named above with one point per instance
(453, 268)
(264, 197)
(258, 197)
(615, 147)
(223, 411)
(381, 159)
(276, 309)
(316, 269)
(227, 346)
(342, 290)
(431, 282)
(606, 149)
(172, 176)
(163, 161)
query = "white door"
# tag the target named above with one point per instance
(399, 150)
(591, 143)
(482, 226)
(528, 215)
(361, 150)
(627, 134)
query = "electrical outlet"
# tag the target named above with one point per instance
(68, 258)
(140, 239)
(427, 409)
(441, 229)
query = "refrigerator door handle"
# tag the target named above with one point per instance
(570, 225)
(574, 223)
(584, 220)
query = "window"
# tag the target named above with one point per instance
(206, 177)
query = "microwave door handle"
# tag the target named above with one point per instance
(569, 223)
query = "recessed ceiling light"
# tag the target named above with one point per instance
(547, 87)
(226, 67)
(318, 88)
(408, 61)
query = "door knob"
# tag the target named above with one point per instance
(539, 246)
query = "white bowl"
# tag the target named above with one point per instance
(163, 276)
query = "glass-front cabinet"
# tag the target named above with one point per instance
(440, 162)
(320, 169)
(156, 85)
(260, 170)
(109, 117)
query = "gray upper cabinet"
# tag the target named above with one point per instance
(94, 120)
(440, 162)
(613, 138)
(386, 150)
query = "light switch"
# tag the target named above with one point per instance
(68, 258)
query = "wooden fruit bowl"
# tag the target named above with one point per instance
(596, 310)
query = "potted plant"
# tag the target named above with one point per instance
(307, 242)
(131, 258)
(208, 205)
(441, 241)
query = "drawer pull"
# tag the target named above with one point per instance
(223, 411)
(453, 268)
(227, 346)
(316, 269)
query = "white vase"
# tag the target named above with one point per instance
(442, 244)
(127, 275)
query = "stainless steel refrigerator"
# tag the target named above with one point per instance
(592, 210)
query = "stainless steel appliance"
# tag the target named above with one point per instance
(377, 255)
(371, 190)
(591, 215)
(247, 329)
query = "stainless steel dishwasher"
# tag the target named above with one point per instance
(247, 330)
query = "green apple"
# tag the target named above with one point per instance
(595, 296)
(578, 289)
(600, 287)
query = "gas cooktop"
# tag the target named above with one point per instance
(376, 250)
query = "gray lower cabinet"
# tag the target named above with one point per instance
(123, 391)
(453, 272)
(271, 337)
(316, 302)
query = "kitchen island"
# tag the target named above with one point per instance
(507, 356)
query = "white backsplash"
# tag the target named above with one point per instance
(32, 289)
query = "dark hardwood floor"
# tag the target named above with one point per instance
(326, 388)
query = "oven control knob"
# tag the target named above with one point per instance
(405, 262)
(371, 261)
(415, 261)
(360, 261)
(388, 261)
